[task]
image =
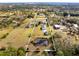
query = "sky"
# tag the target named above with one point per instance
(4, 1)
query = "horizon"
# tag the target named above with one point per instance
(31, 1)
(39, 2)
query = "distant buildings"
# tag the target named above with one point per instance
(39, 9)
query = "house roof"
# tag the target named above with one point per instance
(41, 42)
(57, 26)
(75, 25)
(44, 30)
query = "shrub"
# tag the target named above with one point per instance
(60, 53)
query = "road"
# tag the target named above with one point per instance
(31, 34)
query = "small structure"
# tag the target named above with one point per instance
(48, 50)
(44, 22)
(68, 15)
(29, 25)
(56, 26)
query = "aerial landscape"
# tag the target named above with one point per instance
(39, 29)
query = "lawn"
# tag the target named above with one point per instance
(17, 38)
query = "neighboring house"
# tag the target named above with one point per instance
(29, 26)
(44, 30)
(75, 25)
(16, 23)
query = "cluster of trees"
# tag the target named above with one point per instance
(54, 21)
(10, 51)
(66, 14)
(71, 14)
(4, 36)
(5, 22)
(63, 46)
(9, 21)
(75, 21)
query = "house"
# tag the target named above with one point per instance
(43, 27)
(16, 23)
(44, 30)
(44, 22)
(75, 25)
(41, 42)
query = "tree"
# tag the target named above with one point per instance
(21, 51)
(10, 51)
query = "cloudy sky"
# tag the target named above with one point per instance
(39, 1)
